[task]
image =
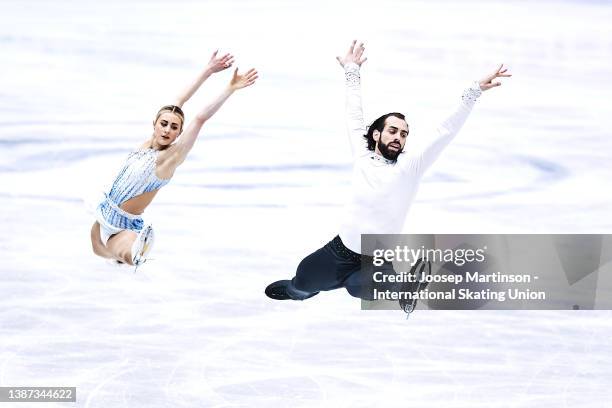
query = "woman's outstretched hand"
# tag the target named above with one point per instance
(487, 82)
(354, 54)
(240, 81)
(217, 64)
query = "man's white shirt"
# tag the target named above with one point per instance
(382, 190)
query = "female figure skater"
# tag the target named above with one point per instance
(119, 232)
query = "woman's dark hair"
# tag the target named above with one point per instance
(379, 124)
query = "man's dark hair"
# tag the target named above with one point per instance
(379, 124)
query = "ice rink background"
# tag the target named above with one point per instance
(264, 186)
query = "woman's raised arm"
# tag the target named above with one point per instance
(215, 64)
(187, 140)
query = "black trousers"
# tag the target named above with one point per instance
(335, 266)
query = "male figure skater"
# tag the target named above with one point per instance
(384, 183)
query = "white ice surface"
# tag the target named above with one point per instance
(264, 186)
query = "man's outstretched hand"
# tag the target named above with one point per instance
(354, 54)
(487, 82)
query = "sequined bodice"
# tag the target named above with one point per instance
(137, 176)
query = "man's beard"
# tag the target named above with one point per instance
(388, 153)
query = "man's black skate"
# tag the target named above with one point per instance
(420, 269)
(284, 290)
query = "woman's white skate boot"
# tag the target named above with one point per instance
(142, 245)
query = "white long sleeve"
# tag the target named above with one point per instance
(383, 190)
(421, 153)
(355, 123)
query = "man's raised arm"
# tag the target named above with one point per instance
(355, 124)
(448, 129)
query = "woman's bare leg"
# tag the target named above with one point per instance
(96, 243)
(120, 246)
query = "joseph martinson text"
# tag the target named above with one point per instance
(462, 293)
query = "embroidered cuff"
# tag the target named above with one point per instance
(472, 93)
(351, 73)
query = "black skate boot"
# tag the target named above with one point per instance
(420, 269)
(284, 290)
